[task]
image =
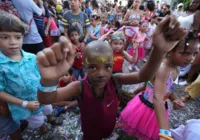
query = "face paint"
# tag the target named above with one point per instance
(101, 58)
(86, 60)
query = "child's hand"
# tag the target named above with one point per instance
(54, 62)
(78, 55)
(178, 104)
(33, 105)
(167, 34)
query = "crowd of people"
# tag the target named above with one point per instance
(58, 55)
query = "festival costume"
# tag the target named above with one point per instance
(139, 117)
(140, 48)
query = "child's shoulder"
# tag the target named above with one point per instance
(28, 55)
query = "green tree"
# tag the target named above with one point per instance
(186, 2)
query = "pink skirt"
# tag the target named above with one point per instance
(148, 44)
(141, 52)
(139, 120)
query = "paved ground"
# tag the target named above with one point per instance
(71, 129)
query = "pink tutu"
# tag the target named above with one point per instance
(141, 52)
(137, 119)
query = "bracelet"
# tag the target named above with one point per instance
(164, 136)
(47, 89)
(165, 132)
(24, 104)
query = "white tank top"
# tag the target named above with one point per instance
(186, 22)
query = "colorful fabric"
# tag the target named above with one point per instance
(118, 36)
(21, 80)
(138, 119)
(140, 48)
(118, 61)
(129, 32)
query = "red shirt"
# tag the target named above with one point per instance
(63, 83)
(78, 62)
(98, 117)
(118, 61)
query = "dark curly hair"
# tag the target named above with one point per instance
(190, 36)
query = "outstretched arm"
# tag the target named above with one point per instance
(61, 94)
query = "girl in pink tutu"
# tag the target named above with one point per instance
(146, 115)
(137, 50)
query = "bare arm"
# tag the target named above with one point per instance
(129, 58)
(65, 33)
(196, 23)
(42, 7)
(48, 26)
(61, 94)
(125, 20)
(146, 73)
(86, 34)
(158, 102)
(10, 99)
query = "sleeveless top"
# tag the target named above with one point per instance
(149, 91)
(98, 117)
(118, 61)
(186, 21)
(134, 17)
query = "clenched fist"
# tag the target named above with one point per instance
(54, 62)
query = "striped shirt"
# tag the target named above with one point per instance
(80, 21)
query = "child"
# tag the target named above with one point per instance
(117, 44)
(148, 41)
(97, 93)
(77, 68)
(95, 29)
(75, 17)
(137, 50)
(42, 25)
(139, 117)
(20, 94)
(69, 103)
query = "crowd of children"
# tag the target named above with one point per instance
(85, 68)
